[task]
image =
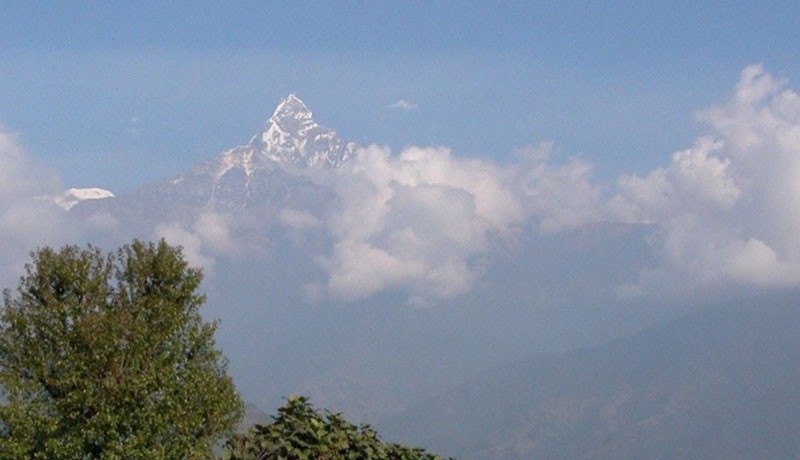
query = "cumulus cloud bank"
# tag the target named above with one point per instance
(726, 209)
(414, 221)
(423, 222)
(729, 207)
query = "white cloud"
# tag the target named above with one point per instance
(403, 105)
(699, 173)
(132, 126)
(729, 207)
(176, 234)
(558, 197)
(214, 230)
(299, 219)
(753, 261)
(415, 222)
(25, 223)
(209, 236)
(422, 222)
(360, 269)
(104, 222)
(697, 179)
(19, 175)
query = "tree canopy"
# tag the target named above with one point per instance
(106, 356)
(300, 432)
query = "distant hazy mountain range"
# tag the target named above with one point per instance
(720, 383)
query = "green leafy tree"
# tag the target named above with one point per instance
(299, 432)
(107, 357)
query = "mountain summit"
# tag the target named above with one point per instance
(292, 138)
(290, 107)
(290, 141)
(261, 174)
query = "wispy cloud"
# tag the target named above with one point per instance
(209, 236)
(132, 126)
(25, 222)
(403, 105)
(556, 197)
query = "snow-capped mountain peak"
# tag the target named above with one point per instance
(73, 196)
(291, 107)
(255, 175)
(290, 142)
(291, 137)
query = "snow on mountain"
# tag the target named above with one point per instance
(291, 139)
(253, 182)
(260, 174)
(251, 174)
(73, 196)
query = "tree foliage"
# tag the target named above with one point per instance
(299, 432)
(107, 357)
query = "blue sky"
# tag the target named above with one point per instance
(116, 94)
(680, 121)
